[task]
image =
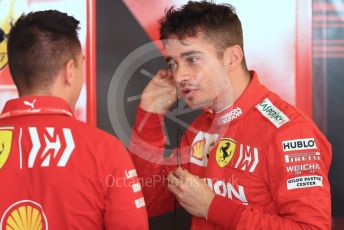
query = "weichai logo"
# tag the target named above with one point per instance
(298, 169)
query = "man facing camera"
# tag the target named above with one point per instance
(250, 160)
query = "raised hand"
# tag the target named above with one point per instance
(160, 93)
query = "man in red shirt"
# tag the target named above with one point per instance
(57, 172)
(250, 160)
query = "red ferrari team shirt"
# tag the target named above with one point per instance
(266, 161)
(59, 173)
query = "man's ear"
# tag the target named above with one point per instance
(69, 71)
(233, 57)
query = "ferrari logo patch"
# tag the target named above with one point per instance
(225, 151)
(5, 146)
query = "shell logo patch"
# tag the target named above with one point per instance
(225, 151)
(198, 149)
(5, 146)
(24, 215)
(201, 146)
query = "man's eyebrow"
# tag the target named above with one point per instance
(189, 53)
(184, 54)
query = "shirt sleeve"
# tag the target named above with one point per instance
(147, 148)
(296, 171)
(124, 203)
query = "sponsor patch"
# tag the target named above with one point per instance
(298, 169)
(248, 158)
(25, 214)
(225, 151)
(272, 113)
(58, 143)
(5, 146)
(198, 149)
(230, 116)
(299, 144)
(31, 104)
(201, 147)
(304, 182)
(301, 157)
(136, 187)
(228, 190)
(139, 203)
(130, 173)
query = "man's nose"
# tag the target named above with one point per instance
(182, 75)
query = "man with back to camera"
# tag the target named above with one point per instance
(250, 160)
(57, 172)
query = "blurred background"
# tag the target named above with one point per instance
(296, 46)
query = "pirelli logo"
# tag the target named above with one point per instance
(299, 144)
(301, 157)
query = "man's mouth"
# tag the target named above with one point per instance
(188, 92)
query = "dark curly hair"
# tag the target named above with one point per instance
(218, 23)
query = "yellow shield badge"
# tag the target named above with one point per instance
(225, 151)
(5, 146)
(6, 18)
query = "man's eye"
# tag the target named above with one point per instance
(192, 60)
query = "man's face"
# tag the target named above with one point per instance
(198, 71)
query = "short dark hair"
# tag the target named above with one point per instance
(218, 22)
(39, 44)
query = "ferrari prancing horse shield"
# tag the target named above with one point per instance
(5, 146)
(225, 152)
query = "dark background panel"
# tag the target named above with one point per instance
(328, 91)
(118, 35)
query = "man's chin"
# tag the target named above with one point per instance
(193, 104)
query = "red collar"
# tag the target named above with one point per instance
(251, 96)
(36, 105)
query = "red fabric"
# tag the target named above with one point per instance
(274, 173)
(76, 176)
